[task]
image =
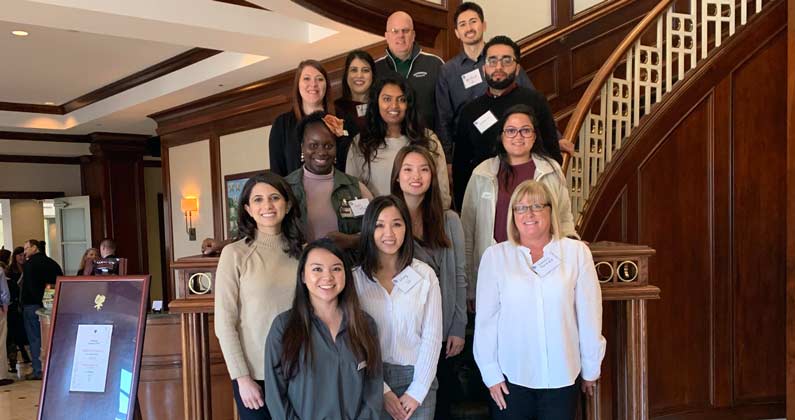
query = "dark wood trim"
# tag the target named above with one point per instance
(243, 3)
(790, 192)
(32, 108)
(180, 61)
(55, 160)
(58, 138)
(371, 15)
(217, 189)
(153, 164)
(161, 230)
(31, 195)
(169, 230)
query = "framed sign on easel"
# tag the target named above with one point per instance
(96, 341)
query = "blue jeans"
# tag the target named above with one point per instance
(33, 330)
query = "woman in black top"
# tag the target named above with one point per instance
(356, 82)
(323, 357)
(17, 339)
(310, 94)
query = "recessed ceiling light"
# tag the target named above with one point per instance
(220, 85)
(19, 33)
(49, 103)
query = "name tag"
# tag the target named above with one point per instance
(362, 365)
(361, 110)
(546, 265)
(487, 195)
(407, 279)
(471, 79)
(485, 121)
(358, 207)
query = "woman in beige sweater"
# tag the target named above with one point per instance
(254, 282)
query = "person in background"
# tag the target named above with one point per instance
(322, 192)
(39, 271)
(390, 126)
(520, 156)
(254, 283)
(17, 339)
(439, 242)
(406, 58)
(477, 133)
(356, 82)
(5, 303)
(402, 294)
(310, 94)
(91, 254)
(538, 324)
(323, 357)
(107, 248)
(462, 78)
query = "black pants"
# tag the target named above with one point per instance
(449, 385)
(248, 414)
(537, 404)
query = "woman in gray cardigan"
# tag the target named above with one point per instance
(439, 242)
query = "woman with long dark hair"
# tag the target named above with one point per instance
(402, 294)
(439, 242)
(357, 79)
(253, 284)
(322, 357)
(391, 125)
(17, 338)
(310, 94)
(484, 213)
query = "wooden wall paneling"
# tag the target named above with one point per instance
(223, 399)
(587, 57)
(169, 231)
(127, 202)
(160, 385)
(712, 333)
(759, 213)
(680, 355)
(790, 194)
(217, 187)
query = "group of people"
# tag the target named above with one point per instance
(346, 294)
(25, 273)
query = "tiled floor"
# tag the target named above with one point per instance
(20, 400)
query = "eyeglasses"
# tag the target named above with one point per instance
(397, 31)
(511, 132)
(506, 61)
(535, 208)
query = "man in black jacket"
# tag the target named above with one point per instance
(39, 271)
(405, 57)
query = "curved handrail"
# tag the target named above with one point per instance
(658, 53)
(595, 87)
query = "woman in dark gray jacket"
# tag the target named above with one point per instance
(438, 242)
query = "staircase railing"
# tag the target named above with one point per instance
(647, 65)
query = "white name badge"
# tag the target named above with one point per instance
(359, 206)
(406, 279)
(471, 79)
(485, 121)
(546, 265)
(361, 110)
(362, 365)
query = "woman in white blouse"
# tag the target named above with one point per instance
(402, 295)
(546, 284)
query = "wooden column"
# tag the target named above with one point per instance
(790, 193)
(113, 178)
(196, 378)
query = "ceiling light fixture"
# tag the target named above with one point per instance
(19, 33)
(49, 103)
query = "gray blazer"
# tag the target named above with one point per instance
(450, 267)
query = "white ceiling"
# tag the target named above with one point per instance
(76, 46)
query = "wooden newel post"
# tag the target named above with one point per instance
(623, 272)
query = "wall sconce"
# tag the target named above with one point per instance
(189, 205)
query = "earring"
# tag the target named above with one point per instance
(302, 157)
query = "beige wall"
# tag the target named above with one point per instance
(44, 148)
(27, 221)
(580, 5)
(515, 18)
(153, 185)
(41, 177)
(245, 151)
(189, 174)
